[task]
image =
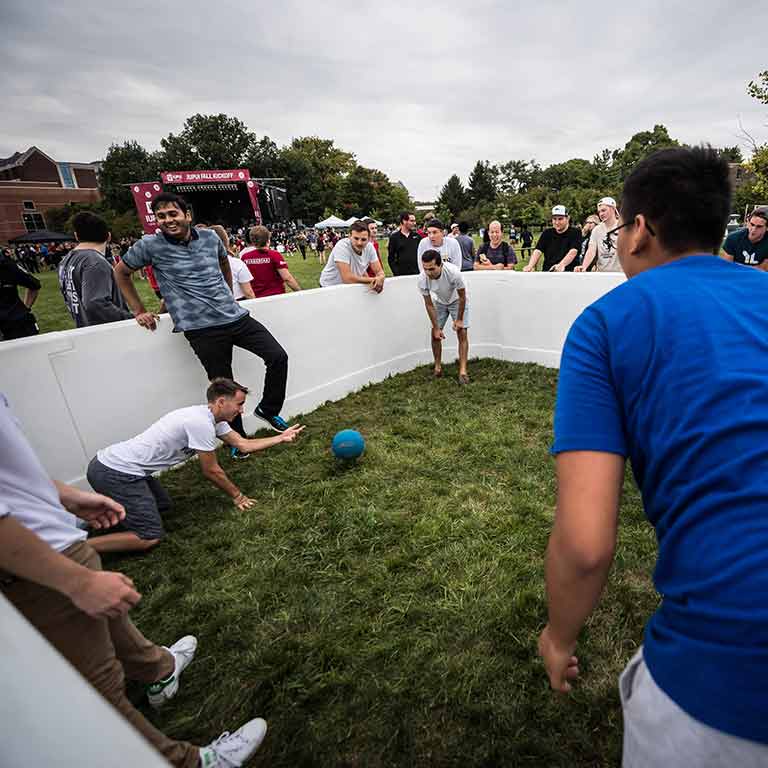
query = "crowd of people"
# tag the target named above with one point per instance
(668, 370)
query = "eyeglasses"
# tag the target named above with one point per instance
(609, 243)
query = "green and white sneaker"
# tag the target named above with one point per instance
(163, 691)
(231, 750)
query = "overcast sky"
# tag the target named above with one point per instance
(419, 90)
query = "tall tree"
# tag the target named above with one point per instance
(482, 185)
(263, 159)
(639, 147)
(731, 154)
(452, 199)
(208, 142)
(123, 165)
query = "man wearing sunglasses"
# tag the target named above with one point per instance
(670, 370)
(601, 251)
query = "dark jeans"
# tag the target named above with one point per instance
(19, 327)
(303, 249)
(214, 348)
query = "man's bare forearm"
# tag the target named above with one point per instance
(219, 478)
(24, 554)
(128, 289)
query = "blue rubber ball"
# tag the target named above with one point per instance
(348, 444)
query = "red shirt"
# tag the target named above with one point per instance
(152, 279)
(369, 271)
(263, 264)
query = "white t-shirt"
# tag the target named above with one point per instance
(450, 251)
(240, 274)
(343, 251)
(607, 257)
(444, 289)
(26, 491)
(169, 441)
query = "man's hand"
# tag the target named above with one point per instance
(561, 665)
(437, 334)
(457, 325)
(378, 284)
(528, 268)
(242, 502)
(104, 594)
(290, 434)
(580, 268)
(97, 510)
(557, 268)
(148, 320)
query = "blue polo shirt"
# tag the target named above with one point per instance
(670, 369)
(190, 278)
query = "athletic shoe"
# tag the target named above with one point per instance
(163, 691)
(236, 453)
(231, 750)
(275, 422)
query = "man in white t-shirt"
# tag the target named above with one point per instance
(448, 247)
(50, 574)
(445, 293)
(350, 259)
(124, 470)
(602, 245)
(241, 279)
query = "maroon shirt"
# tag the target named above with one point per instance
(263, 264)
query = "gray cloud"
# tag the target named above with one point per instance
(418, 90)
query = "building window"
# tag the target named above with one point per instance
(33, 222)
(29, 205)
(67, 179)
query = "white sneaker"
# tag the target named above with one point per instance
(231, 750)
(163, 691)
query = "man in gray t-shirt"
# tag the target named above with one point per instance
(350, 259)
(86, 279)
(447, 247)
(467, 245)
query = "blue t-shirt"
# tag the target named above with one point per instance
(671, 370)
(190, 278)
(738, 245)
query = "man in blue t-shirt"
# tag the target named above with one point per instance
(670, 370)
(749, 246)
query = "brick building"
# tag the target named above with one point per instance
(31, 183)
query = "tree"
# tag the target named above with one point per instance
(208, 142)
(123, 165)
(639, 147)
(571, 173)
(452, 199)
(758, 163)
(518, 176)
(759, 90)
(263, 159)
(482, 186)
(731, 154)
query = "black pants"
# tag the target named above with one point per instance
(213, 346)
(19, 327)
(303, 249)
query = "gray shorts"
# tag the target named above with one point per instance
(657, 732)
(443, 310)
(144, 499)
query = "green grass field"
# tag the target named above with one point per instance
(52, 314)
(385, 613)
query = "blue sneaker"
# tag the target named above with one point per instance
(275, 422)
(236, 453)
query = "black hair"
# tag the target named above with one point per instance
(684, 193)
(90, 228)
(463, 227)
(432, 255)
(435, 223)
(169, 198)
(358, 226)
(761, 213)
(405, 215)
(221, 387)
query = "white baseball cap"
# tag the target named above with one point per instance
(607, 201)
(559, 210)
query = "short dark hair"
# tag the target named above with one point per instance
(684, 193)
(432, 255)
(463, 227)
(221, 387)
(169, 198)
(358, 226)
(761, 213)
(435, 223)
(90, 228)
(405, 215)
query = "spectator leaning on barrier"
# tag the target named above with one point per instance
(558, 244)
(86, 279)
(749, 246)
(350, 259)
(436, 240)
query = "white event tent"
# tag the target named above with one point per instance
(331, 221)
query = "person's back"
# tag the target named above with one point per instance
(467, 245)
(263, 264)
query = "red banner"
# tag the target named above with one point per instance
(202, 177)
(143, 195)
(253, 193)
